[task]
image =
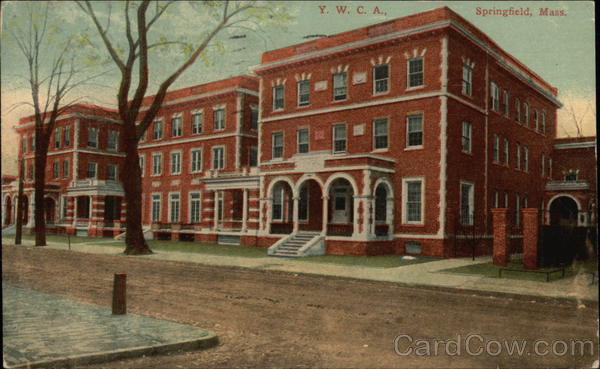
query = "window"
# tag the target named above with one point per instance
(157, 132)
(467, 79)
(339, 86)
(30, 171)
(302, 140)
(194, 207)
(196, 122)
(571, 176)
(278, 101)
(66, 168)
(174, 207)
(303, 92)
(57, 136)
(219, 119)
(196, 160)
(495, 96)
(525, 202)
(277, 144)
(496, 146)
(55, 169)
(176, 126)
(32, 142)
(543, 163)
(277, 208)
(142, 165)
(518, 156)
(526, 113)
(466, 137)
(506, 151)
(517, 210)
(92, 137)
(380, 78)
(156, 164)
(413, 201)
(91, 170)
(176, 162)
(517, 109)
(496, 198)
(380, 133)
(64, 206)
(339, 138)
(550, 167)
(24, 144)
(111, 172)
(155, 207)
(414, 130)
(506, 199)
(303, 203)
(505, 103)
(144, 135)
(466, 203)
(253, 157)
(525, 158)
(218, 157)
(67, 135)
(254, 118)
(543, 127)
(113, 140)
(536, 119)
(415, 72)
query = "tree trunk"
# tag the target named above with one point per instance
(41, 155)
(132, 184)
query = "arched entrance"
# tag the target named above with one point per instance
(7, 210)
(49, 210)
(341, 208)
(563, 212)
(282, 208)
(310, 206)
(383, 209)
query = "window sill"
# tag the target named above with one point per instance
(414, 224)
(277, 110)
(339, 101)
(380, 151)
(468, 153)
(412, 148)
(413, 88)
(303, 106)
(378, 94)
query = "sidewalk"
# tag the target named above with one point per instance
(41, 330)
(423, 274)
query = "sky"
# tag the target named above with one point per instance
(558, 48)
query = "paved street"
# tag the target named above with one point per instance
(38, 328)
(267, 318)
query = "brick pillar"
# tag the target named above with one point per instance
(501, 241)
(530, 237)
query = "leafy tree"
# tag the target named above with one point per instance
(130, 46)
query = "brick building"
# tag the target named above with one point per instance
(399, 138)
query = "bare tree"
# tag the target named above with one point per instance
(52, 72)
(578, 114)
(130, 50)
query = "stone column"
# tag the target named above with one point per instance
(75, 210)
(530, 237)
(325, 214)
(245, 211)
(295, 214)
(501, 242)
(216, 210)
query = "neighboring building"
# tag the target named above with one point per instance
(199, 163)
(387, 138)
(570, 196)
(395, 138)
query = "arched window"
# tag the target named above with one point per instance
(381, 203)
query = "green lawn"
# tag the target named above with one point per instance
(491, 270)
(379, 261)
(58, 238)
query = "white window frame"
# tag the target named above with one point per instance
(408, 73)
(506, 152)
(496, 148)
(335, 140)
(496, 198)
(467, 147)
(506, 103)
(171, 207)
(190, 206)
(339, 97)
(518, 109)
(255, 150)
(277, 191)
(142, 164)
(67, 140)
(56, 169)
(219, 125)
(405, 182)
(153, 197)
(543, 127)
(543, 165)
(386, 121)
(299, 100)
(526, 120)
(94, 143)
(196, 163)
(221, 162)
(197, 124)
(273, 147)
(467, 80)
(386, 79)
(156, 173)
(112, 133)
(253, 112)
(550, 168)
(525, 158)
(495, 95)
(177, 154)
(408, 145)
(298, 143)
(177, 125)
(536, 119)
(66, 164)
(116, 168)
(157, 129)
(470, 204)
(95, 166)
(275, 100)
(57, 137)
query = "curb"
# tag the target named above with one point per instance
(208, 341)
